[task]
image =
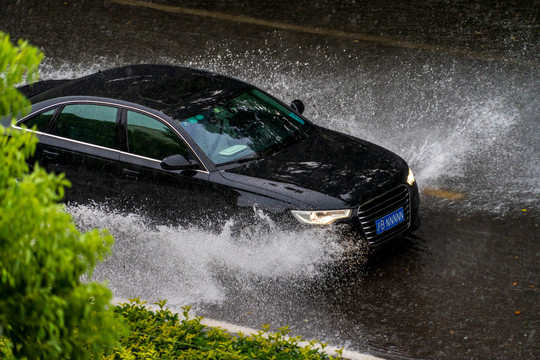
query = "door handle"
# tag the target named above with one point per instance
(130, 174)
(51, 155)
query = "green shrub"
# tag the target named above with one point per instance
(17, 64)
(46, 312)
(163, 335)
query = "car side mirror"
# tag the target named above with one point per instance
(177, 162)
(298, 106)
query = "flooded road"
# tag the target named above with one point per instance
(453, 87)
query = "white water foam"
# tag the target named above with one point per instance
(188, 265)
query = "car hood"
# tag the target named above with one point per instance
(337, 165)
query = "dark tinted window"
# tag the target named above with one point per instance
(94, 124)
(40, 121)
(151, 138)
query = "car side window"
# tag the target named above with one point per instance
(151, 138)
(91, 123)
(40, 121)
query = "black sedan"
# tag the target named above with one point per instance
(193, 147)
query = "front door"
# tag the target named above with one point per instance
(179, 197)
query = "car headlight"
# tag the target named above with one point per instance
(410, 178)
(323, 217)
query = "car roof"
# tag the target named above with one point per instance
(171, 89)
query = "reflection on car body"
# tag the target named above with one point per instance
(190, 146)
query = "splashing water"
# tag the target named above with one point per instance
(187, 265)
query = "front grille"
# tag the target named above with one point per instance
(379, 207)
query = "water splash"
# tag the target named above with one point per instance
(188, 265)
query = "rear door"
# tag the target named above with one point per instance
(79, 139)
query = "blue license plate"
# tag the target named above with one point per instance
(389, 221)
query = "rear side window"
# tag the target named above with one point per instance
(151, 138)
(40, 121)
(94, 124)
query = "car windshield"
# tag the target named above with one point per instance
(248, 126)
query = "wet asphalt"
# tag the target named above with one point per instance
(465, 286)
